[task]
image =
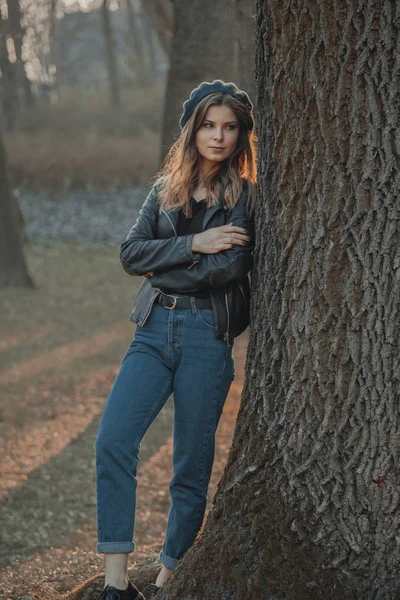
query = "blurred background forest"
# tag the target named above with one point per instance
(84, 83)
(81, 92)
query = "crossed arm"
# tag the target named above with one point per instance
(141, 252)
(169, 263)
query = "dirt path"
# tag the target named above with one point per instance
(55, 376)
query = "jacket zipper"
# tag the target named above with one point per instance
(226, 335)
(196, 261)
(241, 289)
(170, 222)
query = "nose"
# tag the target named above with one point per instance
(218, 133)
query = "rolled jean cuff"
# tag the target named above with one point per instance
(115, 547)
(167, 561)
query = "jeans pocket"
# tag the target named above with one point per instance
(206, 316)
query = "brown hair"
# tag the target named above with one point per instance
(179, 175)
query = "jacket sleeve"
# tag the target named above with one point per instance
(214, 270)
(141, 252)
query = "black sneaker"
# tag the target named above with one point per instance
(112, 593)
(150, 590)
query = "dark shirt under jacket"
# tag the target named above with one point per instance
(186, 226)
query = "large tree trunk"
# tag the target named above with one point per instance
(13, 270)
(112, 64)
(308, 506)
(17, 33)
(201, 51)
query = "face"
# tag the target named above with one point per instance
(217, 137)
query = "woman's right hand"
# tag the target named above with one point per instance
(216, 239)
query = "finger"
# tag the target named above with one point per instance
(243, 237)
(238, 241)
(235, 228)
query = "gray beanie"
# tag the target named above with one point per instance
(205, 89)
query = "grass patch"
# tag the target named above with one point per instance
(78, 287)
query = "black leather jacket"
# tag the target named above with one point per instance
(153, 245)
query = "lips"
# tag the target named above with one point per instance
(216, 148)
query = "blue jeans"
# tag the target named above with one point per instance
(175, 351)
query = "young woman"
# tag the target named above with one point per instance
(193, 243)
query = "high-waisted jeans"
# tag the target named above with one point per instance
(175, 351)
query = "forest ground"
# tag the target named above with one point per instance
(60, 348)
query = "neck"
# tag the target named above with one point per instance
(206, 168)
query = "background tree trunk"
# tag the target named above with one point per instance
(202, 50)
(148, 34)
(245, 48)
(112, 64)
(54, 48)
(13, 270)
(136, 40)
(161, 15)
(9, 96)
(308, 506)
(17, 34)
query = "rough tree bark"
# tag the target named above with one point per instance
(13, 269)
(201, 50)
(112, 63)
(308, 506)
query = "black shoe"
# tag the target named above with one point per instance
(112, 593)
(150, 590)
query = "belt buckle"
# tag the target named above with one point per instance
(175, 301)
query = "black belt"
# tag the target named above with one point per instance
(170, 301)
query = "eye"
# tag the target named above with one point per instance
(232, 127)
(207, 124)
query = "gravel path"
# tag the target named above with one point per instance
(81, 216)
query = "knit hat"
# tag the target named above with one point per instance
(205, 89)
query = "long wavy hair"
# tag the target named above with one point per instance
(179, 175)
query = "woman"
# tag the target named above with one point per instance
(193, 243)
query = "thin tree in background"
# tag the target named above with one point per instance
(112, 63)
(148, 34)
(135, 37)
(308, 505)
(53, 47)
(161, 15)
(9, 93)
(244, 48)
(17, 33)
(13, 271)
